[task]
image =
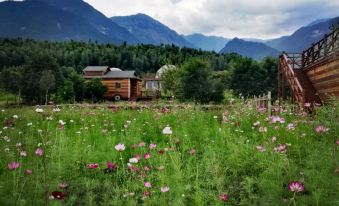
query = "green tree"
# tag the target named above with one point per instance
(169, 81)
(47, 82)
(11, 80)
(95, 90)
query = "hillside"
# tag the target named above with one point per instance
(150, 31)
(253, 50)
(208, 43)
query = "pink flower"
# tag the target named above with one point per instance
(39, 152)
(28, 172)
(321, 129)
(23, 153)
(167, 131)
(111, 166)
(142, 144)
(274, 139)
(134, 146)
(296, 187)
(307, 104)
(147, 169)
(63, 185)
(147, 193)
(275, 119)
(262, 129)
(138, 157)
(192, 152)
(223, 197)
(147, 184)
(93, 165)
(164, 189)
(337, 141)
(261, 148)
(147, 156)
(13, 165)
(120, 147)
(290, 127)
(152, 146)
(281, 148)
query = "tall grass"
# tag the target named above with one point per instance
(207, 155)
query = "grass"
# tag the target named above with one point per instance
(203, 158)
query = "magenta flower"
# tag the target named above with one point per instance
(13, 165)
(120, 147)
(147, 193)
(307, 104)
(39, 152)
(275, 119)
(111, 166)
(223, 197)
(93, 165)
(147, 156)
(337, 141)
(58, 195)
(321, 129)
(152, 146)
(296, 186)
(142, 144)
(28, 172)
(147, 184)
(134, 146)
(138, 157)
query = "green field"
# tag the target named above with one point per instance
(228, 156)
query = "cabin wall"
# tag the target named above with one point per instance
(93, 73)
(325, 79)
(112, 90)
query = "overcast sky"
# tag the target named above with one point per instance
(228, 18)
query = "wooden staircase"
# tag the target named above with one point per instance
(293, 68)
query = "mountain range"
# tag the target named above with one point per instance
(60, 20)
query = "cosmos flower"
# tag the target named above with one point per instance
(152, 146)
(15, 116)
(296, 186)
(142, 144)
(147, 156)
(23, 153)
(273, 139)
(13, 165)
(307, 104)
(39, 110)
(63, 185)
(281, 148)
(164, 189)
(39, 152)
(261, 148)
(192, 152)
(167, 131)
(58, 195)
(28, 172)
(147, 184)
(321, 129)
(133, 160)
(120, 147)
(147, 193)
(223, 197)
(111, 166)
(93, 165)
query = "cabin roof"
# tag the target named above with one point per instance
(96, 68)
(116, 75)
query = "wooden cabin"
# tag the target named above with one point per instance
(120, 84)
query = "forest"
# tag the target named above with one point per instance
(37, 70)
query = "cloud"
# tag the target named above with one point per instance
(229, 18)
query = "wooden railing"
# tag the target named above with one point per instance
(322, 49)
(286, 66)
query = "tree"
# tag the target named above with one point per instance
(169, 81)
(95, 90)
(47, 82)
(195, 83)
(11, 80)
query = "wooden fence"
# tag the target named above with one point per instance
(263, 102)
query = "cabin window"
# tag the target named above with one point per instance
(117, 85)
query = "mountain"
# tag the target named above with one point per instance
(96, 19)
(37, 20)
(304, 37)
(255, 50)
(209, 43)
(150, 31)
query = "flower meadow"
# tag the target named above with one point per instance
(169, 155)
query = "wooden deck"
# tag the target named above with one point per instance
(313, 75)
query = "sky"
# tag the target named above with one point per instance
(228, 18)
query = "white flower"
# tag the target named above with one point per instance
(15, 116)
(62, 122)
(71, 121)
(120, 147)
(2, 110)
(29, 124)
(167, 130)
(133, 160)
(215, 117)
(39, 110)
(56, 109)
(164, 189)
(49, 118)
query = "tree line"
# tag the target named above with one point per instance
(40, 70)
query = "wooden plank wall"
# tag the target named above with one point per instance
(325, 79)
(112, 91)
